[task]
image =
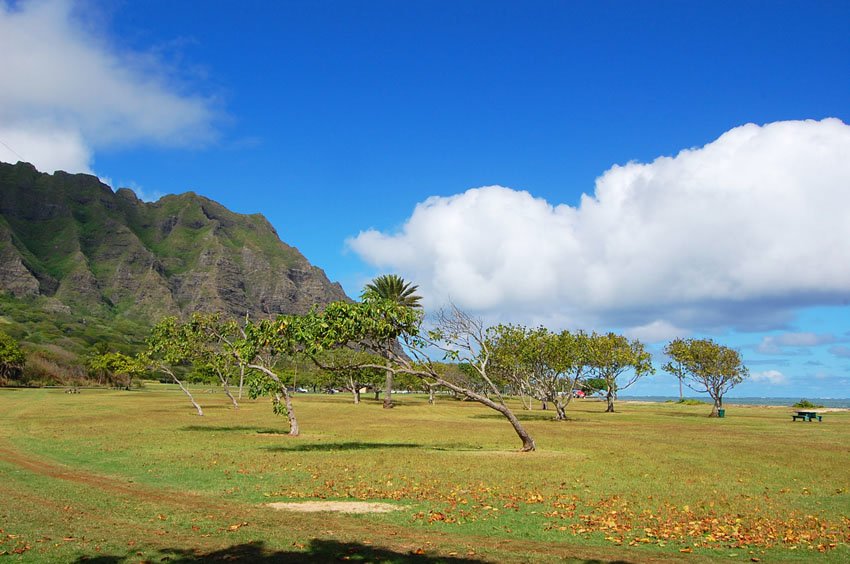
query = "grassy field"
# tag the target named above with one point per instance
(114, 476)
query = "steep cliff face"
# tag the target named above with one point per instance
(93, 251)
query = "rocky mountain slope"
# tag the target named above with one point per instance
(71, 247)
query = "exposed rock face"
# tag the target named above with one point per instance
(15, 278)
(72, 238)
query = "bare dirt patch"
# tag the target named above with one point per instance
(336, 506)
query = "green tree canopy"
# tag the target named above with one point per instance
(12, 357)
(540, 363)
(114, 367)
(677, 350)
(707, 367)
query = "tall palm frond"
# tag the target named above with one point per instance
(393, 287)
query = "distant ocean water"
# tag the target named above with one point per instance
(826, 402)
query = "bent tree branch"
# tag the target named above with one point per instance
(461, 338)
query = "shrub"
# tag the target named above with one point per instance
(690, 401)
(805, 404)
(45, 369)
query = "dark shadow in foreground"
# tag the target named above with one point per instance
(318, 551)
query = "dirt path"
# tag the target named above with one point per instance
(321, 527)
(110, 484)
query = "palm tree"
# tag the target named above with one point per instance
(392, 287)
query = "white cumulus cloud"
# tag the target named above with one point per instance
(778, 344)
(737, 233)
(655, 332)
(67, 93)
(772, 377)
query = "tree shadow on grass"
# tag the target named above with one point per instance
(347, 445)
(701, 415)
(525, 416)
(317, 551)
(228, 428)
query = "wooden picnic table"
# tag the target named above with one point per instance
(807, 416)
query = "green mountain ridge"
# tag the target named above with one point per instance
(73, 253)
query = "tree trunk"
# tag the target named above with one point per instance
(226, 387)
(431, 395)
(287, 399)
(377, 394)
(718, 404)
(681, 395)
(610, 399)
(388, 391)
(560, 412)
(186, 391)
(544, 406)
(355, 390)
(527, 442)
(241, 379)
(227, 392)
(294, 431)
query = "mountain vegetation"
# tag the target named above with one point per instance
(81, 265)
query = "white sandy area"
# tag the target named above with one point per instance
(337, 506)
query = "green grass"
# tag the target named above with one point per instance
(143, 478)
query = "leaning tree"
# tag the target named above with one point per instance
(539, 363)
(707, 366)
(460, 337)
(262, 348)
(171, 347)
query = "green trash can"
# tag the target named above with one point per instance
(721, 413)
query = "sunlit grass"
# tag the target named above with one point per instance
(453, 466)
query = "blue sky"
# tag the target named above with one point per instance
(339, 120)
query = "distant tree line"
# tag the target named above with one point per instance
(384, 337)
